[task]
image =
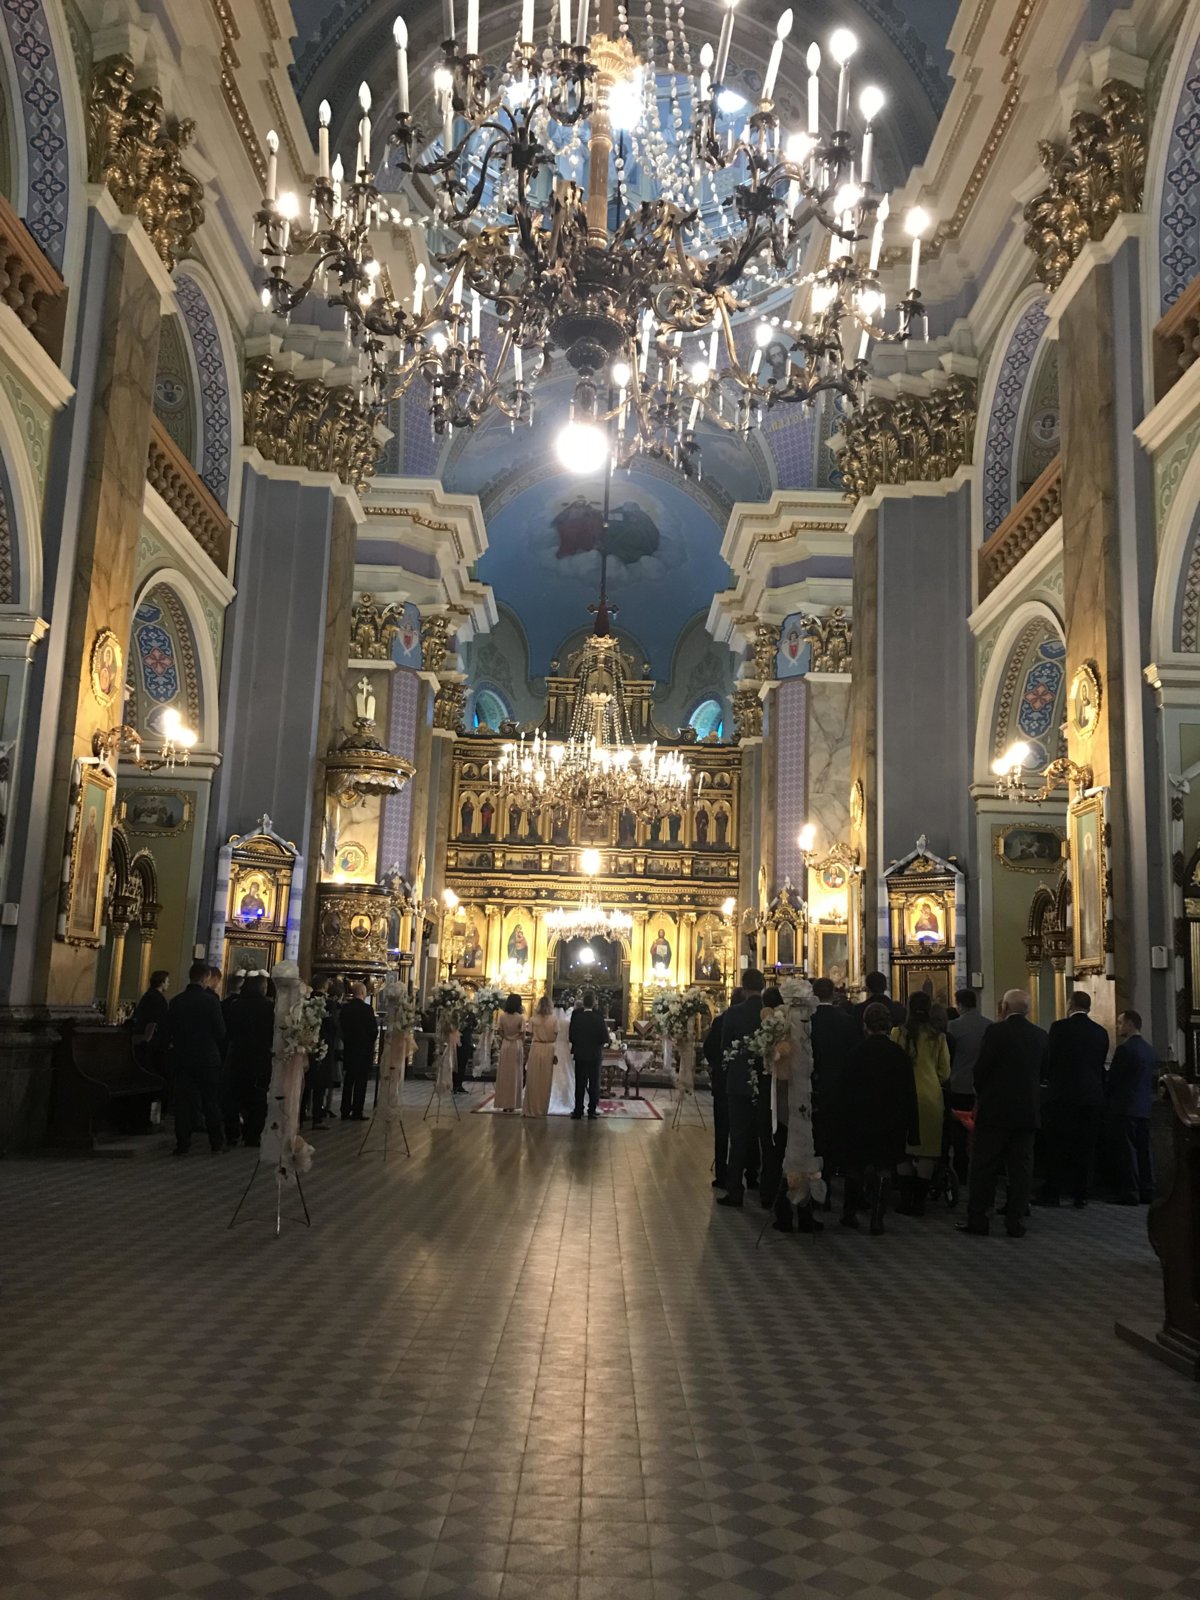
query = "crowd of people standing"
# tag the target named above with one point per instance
(901, 1093)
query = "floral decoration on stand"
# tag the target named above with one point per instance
(452, 1004)
(801, 1164)
(673, 1012)
(485, 1003)
(401, 1016)
(299, 1018)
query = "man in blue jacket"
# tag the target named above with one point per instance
(1073, 1101)
(1130, 1096)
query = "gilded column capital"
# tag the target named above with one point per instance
(449, 706)
(136, 151)
(830, 639)
(1098, 174)
(909, 438)
(435, 640)
(766, 649)
(373, 628)
(303, 422)
(747, 713)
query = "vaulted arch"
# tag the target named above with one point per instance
(1173, 172)
(1003, 407)
(1023, 692)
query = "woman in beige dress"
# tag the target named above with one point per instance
(512, 1056)
(539, 1070)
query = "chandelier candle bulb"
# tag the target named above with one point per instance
(813, 61)
(915, 223)
(364, 128)
(842, 46)
(324, 116)
(782, 29)
(400, 35)
(724, 42)
(881, 217)
(272, 166)
(564, 22)
(476, 312)
(527, 22)
(418, 288)
(472, 27)
(448, 20)
(581, 25)
(706, 61)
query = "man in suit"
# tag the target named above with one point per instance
(834, 1036)
(197, 1032)
(1073, 1102)
(1007, 1079)
(588, 1034)
(1130, 1099)
(745, 1084)
(149, 1023)
(966, 1033)
(876, 986)
(713, 1048)
(360, 1029)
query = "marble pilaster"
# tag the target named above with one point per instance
(828, 762)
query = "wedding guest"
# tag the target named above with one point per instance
(148, 1024)
(877, 1117)
(539, 1069)
(359, 1029)
(745, 1085)
(588, 1035)
(1073, 1102)
(509, 1069)
(251, 1035)
(463, 1052)
(1007, 1074)
(929, 1053)
(1130, 1100)
(773, 1119)
(714, 1056)
(319, 1077)
(876, 986)
(966, 1032)
(834, 1036)
(230, 1105)
(197, 1032)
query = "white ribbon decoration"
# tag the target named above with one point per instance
(282, 1146)
(801, 1164)
(447, 1063)
(668, 1055)
(686, 1081)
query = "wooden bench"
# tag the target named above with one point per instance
(95, 1072)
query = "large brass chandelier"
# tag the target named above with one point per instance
(589, 919)
(644, 297)
(598, 768)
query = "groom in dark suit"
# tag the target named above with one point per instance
(588, 1035)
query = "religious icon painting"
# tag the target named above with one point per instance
(90, 838)
(925, 921)
(107, 668)
(1083, 700)
(351, 859)
(1089, 882)
(252, 898)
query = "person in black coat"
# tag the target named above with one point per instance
(462, 1054)
(588, 1035)
(1073, 1102)
(1130, 1100)
(834, 1036)
(251, 1023)
(876, 986)
(1008, 1072)
(745, 1084)
(877, 1117)
(150, 1024)
(360, 1029)
(713, 1049)
(197, 1032)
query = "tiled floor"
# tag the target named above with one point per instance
(532, 1360)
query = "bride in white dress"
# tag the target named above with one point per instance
(562, 1085)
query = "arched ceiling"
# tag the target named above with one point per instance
(902, 47)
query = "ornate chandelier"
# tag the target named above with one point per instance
(589, 919)
(619, 295)
(598, 767)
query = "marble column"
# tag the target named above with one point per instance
(284, 665)
(912, 708)
(827, 764)
(1109, 562)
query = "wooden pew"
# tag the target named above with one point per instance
(94, 1069)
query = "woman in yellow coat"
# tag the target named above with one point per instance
(929, 1053)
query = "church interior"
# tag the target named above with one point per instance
(568, 501)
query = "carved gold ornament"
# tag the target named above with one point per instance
(1100, 174)
(830, 640)
(1084, 700)
(747, 714)
(302, 422)
(908, 439)
(857, 804)
(136, 151)
(106, 669)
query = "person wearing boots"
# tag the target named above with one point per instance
(1008, 1072)
(835, 1034)
(251, 1028)
(877, 1118)
(745, 1084)
(1130, 1091)
(360, 1029)
(1073, 1102)
(929, 1053)
(713, 1049)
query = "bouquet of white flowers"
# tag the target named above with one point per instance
(403, 1011)
(451, 1002)
(485, 1003)
(300, 1030)
(673, 1009)
(758, 1051)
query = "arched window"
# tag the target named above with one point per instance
(708, 719)
(490, 710)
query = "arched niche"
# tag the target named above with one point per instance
(217, 395)
(1173, 172)
(170, 663)
(1175, 619)
(1024, 691)
(176, 397)
(46, 139)
(1004, 408)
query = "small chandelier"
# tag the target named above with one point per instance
(1011, 771)
(598, 767)
(178, 741)
(641, 304)
(589, 919)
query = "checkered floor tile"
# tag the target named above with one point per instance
(532, 1359)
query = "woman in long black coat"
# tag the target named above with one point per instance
(251, 1035)
(879, 1113)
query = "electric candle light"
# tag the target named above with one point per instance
(723, 43)
(527, 22)
(870, 104)
(841, 47)
(324, 116)
(339, 172)
(472, 27)
(813, 61)
(400, 35)
(272, 164)
(881, 217)
(364, 128)
(418, 288)
(782, 29)
(448, 19)
(564, 21)
(915, 224)
(581, 24)
(475, 314)
(706, 61)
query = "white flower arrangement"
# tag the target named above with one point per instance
(673, 1009)
(450, 1003)
(300, 1030)
(485, 1003)
(404, 1012)
(798, 996)
(758, 1050)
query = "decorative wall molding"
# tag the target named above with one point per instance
(216, 423)
(830, 639)
(1098, 175)
(1003, 419)
(47, 196)
(136, 151)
